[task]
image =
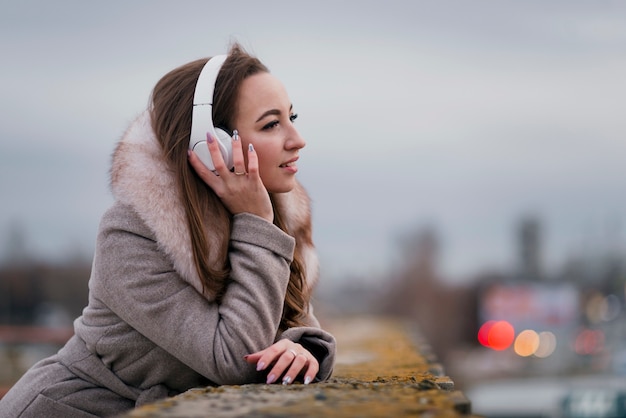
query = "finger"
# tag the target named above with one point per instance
(312, 370)
(297, 365)
(216, 155)
(253, 161)
(254, 359)
(265, 357)
(269, 355)
(238, 160)
(205, 174)
(281, 365)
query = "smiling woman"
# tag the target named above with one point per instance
(202, 276)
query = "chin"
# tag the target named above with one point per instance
(281, 188)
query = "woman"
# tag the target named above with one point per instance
(200, 276)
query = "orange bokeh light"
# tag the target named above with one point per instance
(526, 343)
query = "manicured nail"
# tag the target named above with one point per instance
(188, 153)
(235, 135)
(286, 380)
(209, 138)
(307, 380)
(250, 148)
(260, 366)
(271, 378)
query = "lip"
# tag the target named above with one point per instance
(290, 165)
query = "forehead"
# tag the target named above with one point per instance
(261, 92)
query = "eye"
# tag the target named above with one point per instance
(270, 125)
(274, 123)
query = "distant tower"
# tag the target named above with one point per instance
(529, 244)
(16, 252)
(420, 252)
(427, 254)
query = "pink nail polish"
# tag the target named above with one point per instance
(271, 378)
(209, 138)
(260, 366)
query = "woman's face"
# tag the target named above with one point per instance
(265, 119)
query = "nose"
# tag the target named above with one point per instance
(294, 140)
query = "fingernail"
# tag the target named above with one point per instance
(246, 356)
(286, 380)
(209, 138)
(307, 380)
(188, 153)
(271, 378)
(235, 135)
(260, 366)
(250, 148)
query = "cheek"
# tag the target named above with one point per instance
(261, 150)
(267, 163)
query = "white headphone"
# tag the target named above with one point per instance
(202, 117)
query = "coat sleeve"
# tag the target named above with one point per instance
(135, 279)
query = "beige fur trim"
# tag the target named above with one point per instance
(296, 207)
(139, 178)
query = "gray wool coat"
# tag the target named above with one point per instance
(149, 331)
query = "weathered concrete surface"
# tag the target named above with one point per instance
(381, 372)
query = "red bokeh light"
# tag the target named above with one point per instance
(589, 341)
(497, 335)
(483, 333)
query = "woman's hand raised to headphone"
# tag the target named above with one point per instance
(240, 190)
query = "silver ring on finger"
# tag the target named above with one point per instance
(293, 352)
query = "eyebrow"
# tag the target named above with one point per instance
(272, 112)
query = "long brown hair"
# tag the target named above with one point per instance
(172, 99)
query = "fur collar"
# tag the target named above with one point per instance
(139, 178)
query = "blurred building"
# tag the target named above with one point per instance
(38, 303)
(37, 293)
(564, 323)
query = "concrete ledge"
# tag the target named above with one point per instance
(382, 371)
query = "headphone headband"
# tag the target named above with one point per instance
(202, 114)
(202, 117)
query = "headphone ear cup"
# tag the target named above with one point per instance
(225, 146)
(224, 140)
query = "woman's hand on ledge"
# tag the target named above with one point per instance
(288, 359)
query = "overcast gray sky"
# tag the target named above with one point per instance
(461, 114)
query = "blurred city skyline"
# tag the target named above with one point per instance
(464, 116)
